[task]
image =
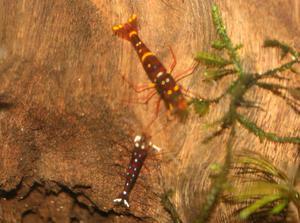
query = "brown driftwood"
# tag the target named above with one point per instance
(61, 73)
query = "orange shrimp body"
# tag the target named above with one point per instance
(165, 84)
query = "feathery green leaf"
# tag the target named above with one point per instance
(245, 213)
(210, 59)
(279, 207)
(285, 49)
(252, 127)
(201, 107)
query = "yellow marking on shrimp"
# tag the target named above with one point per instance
(132, 33)
(176, 88)
(149, 65)
(169, 92)
(115, 28)
(147, 55)
(171, 107)
(152, 85)
(132, 18)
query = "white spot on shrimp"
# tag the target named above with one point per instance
(134, 169)
(143, 146)
(167, 80)
(126, 203)
(137, 144)
(136, 160)
(117, 200)
(124, 192)
(137, 138)
(159, 74)
(156, 148)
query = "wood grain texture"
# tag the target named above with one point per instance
(61, 69)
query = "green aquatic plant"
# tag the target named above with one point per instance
(219, 183)
(201, 106)
(261, 185)
(227, 62)
(218, 67)
(169, 206)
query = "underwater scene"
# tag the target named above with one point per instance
(132, 111)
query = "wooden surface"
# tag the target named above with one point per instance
(61, 69)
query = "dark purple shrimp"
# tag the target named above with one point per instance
(142, 146)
